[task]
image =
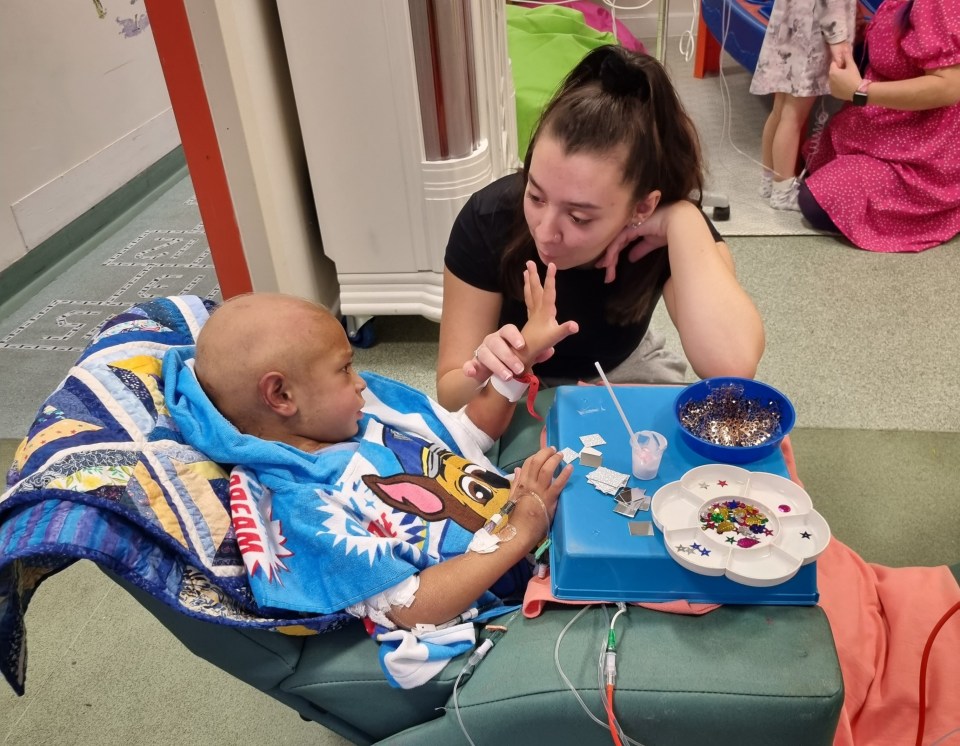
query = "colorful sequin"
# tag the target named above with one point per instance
(745, 523)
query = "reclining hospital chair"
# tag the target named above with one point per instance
(104, 475)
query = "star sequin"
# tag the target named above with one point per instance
(704, 486)
(804, 534)
(721, 482)
(704, 551)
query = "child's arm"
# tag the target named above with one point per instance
(833, 27)
(490, 410)
(451, 587)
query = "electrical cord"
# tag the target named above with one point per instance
(924, 658)
(726, 126)
(688, 39)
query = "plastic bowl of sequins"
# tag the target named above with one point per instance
(733, 420)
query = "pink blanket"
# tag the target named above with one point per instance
(881, 618)
(538, 595)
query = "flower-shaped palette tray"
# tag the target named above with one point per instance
(756, 528)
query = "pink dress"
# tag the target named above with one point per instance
(890, 180)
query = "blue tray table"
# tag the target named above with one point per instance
(599, 555)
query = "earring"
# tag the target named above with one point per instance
(637, 224)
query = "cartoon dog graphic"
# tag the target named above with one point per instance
(437, 484)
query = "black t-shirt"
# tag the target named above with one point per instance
(477, 241)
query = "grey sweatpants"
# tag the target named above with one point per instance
(651, 362)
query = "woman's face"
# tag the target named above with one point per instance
(575, 204)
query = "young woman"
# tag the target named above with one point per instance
(610, 167)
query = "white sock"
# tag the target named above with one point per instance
(784, 195)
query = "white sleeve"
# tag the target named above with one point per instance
(377, 607)
(833, 20)
(482, 440)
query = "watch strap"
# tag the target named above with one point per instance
(860, 95)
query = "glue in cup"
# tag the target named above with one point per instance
(647, 448)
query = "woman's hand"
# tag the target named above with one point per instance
(652, 233)
(497, 355)
(844, 81)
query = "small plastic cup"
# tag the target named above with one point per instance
(647, 448)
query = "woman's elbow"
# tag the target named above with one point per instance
(733, 362)
(737, 369)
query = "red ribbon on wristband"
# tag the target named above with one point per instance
(534, 385)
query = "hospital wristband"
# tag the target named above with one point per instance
(512, 390)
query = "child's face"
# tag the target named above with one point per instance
(328, 391)
(575, 204)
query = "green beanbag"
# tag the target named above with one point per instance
(544, 44)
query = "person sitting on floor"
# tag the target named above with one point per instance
(357, 492)
(886, 170)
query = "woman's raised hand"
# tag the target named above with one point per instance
(497, 355)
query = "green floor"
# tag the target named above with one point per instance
(890, 495)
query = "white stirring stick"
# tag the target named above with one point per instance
(615, 400)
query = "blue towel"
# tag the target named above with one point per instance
(355, 519)
(320, 532)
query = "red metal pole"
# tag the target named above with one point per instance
(191, 108)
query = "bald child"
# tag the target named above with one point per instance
(368, 495)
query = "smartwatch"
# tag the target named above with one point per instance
(860, 95)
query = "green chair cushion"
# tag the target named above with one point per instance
(736, 675)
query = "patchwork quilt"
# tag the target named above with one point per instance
(105, 475)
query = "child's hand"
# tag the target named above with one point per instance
(542, 331)
(841, 54)
(535, 511)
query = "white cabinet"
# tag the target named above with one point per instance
(385, 193)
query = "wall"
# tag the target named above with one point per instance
(83, 109)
